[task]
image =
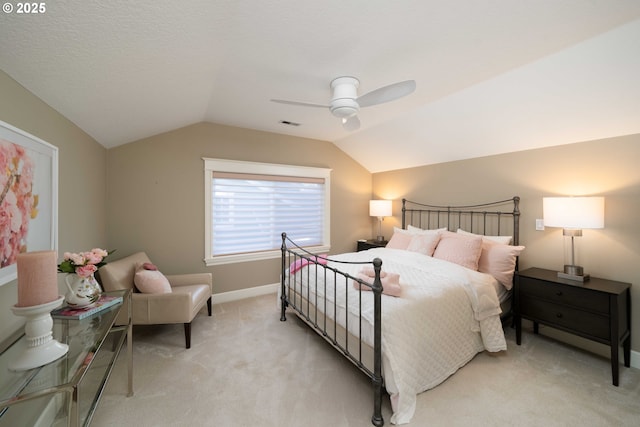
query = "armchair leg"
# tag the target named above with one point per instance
(187, 334)
(209, 306)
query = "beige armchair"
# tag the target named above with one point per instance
(189, 293)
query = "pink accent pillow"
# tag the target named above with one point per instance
(424, 243)
(460, 249)
(150, 281)
(499, 261)
(399, 240)
(149, 266)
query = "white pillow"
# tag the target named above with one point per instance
(416, 230)
(505, 240)
(401, 231)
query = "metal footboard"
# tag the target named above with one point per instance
(312, 306)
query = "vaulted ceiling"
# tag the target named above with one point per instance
(492, 76)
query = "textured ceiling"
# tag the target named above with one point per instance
(492, 76)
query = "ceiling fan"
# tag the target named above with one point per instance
(345, 103)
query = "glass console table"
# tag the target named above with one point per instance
(66, 391)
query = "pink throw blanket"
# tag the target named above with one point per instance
(390, 281)
(298, 264)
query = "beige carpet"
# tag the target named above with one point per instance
(246, 368)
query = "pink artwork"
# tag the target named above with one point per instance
(18, 204)
(28, 197)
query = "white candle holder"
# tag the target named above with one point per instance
(41, 347)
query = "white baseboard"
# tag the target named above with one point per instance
(635, 359)
(245, 293)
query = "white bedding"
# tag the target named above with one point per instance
(446, 314)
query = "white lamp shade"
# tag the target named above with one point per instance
(573, 212)
(380, 208)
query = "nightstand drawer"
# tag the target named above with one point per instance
(566, 295)
(577, 321)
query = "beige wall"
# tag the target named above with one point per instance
(82, 171)
(155, 197)
(606, 167)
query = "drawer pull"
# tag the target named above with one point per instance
(559, 315)
(559, 293)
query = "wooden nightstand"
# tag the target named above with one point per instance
(598, 309)
(363, 245)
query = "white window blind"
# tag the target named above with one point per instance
(248, 209)
(250, 212)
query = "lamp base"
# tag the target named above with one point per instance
(573, 272)
(380, 239)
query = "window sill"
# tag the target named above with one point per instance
(257, 256)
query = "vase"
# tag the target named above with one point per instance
(83, 291)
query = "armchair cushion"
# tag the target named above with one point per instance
(183, 303)
(190, 279)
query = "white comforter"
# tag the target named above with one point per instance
(445, 315)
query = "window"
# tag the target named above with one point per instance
(249, 205)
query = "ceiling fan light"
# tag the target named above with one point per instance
(344, 108)
(344, 112)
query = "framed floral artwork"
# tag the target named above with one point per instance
(28, 197)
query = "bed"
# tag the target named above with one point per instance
(409, 315)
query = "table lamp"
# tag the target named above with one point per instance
(380, 209)
(573, 214)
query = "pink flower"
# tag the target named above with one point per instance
(86, 270)
(77, 259)
(101, 252)
(92, 257)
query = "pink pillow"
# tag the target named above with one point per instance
(499, 261)
(460, 249)
(399, 241)
(151, 281)
(424, 243)
(149, 266)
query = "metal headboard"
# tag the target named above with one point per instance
(486, 218)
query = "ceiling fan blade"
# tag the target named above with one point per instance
(351, 124)
(303, 104)
(387, 93)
